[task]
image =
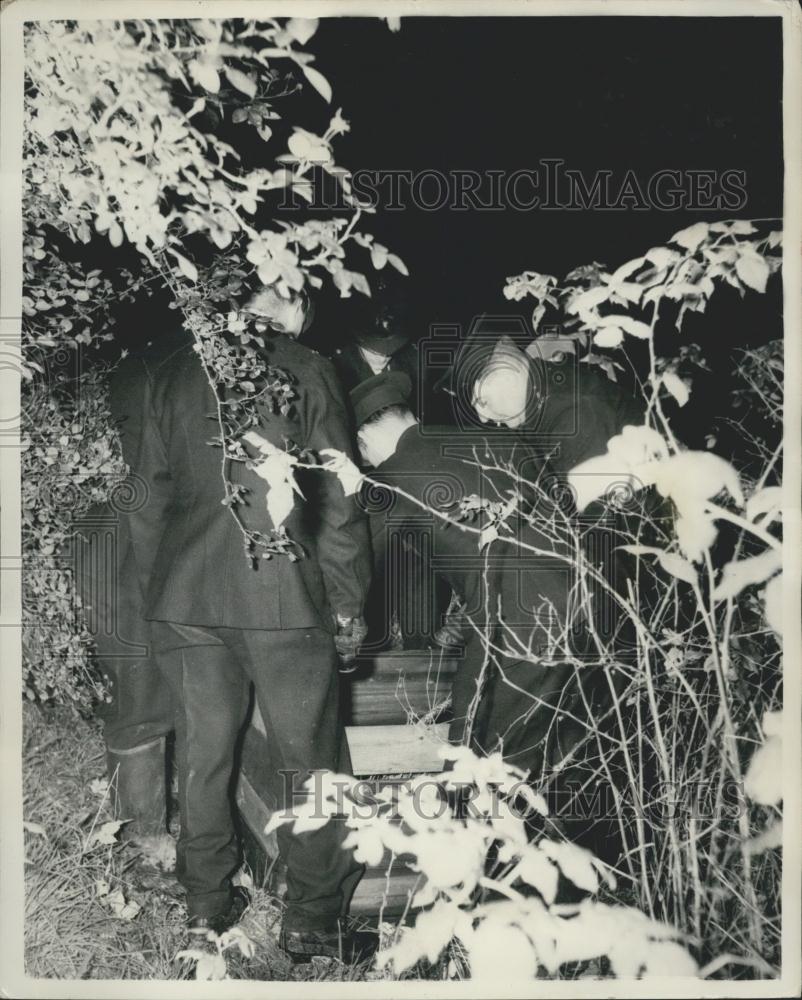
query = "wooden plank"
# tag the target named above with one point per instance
(256, 813)
(388, 688)
(389, 749)
(396, 749)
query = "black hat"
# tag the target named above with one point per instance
(383, 342)
(379, 392)
(382, 322)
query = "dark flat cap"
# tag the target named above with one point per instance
(379, 392)
(382, 342)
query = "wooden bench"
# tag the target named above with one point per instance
(382, 700)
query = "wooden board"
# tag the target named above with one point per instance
(396, 749)
(390, 687)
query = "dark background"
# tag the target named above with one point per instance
(613, 93)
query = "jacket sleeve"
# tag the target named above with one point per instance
(343, 545)
(147, 457)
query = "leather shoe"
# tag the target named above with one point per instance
(342, 940)
(225, 918)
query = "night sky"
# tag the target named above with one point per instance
(605, 93)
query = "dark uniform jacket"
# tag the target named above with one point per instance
(353, 369)
(113, 573)
(200, 574)
(573, 412)
(519, 603)
(428, 464)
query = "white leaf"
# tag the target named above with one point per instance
(667, 958)
(307, 146)
(106, 834)
(302, 28)
(691, 477)
(206, 75)
(589, 299)
(676, 387)
(612, 336)
(691, 237)
(637, 445)
(537, 870)
(241, 81)
(280, 502)
(696, 532)
(102, 887)
(753, 270)
(671, 563)
(349, 475)
(221, 238)
(626, 270)
(661, 257)
(763, 781)
(36, 828)
(186, 267)
(767, 501)
(397, 263)
(743, 573)
(309, 821)
(318, 81)
(425, 896)
(634, 327)
(574, 862)
(129, 911)
(115, 234)
(770, 838)
(495, 942)
(360, 282)
(243, 878)
(367, 845)
(211, 967)
(198, 105)
(378, 256)
(488, 535)
(773, 604)
(740, 227)
(236, 936)
(99, 786)
(276, 820)
(115, 900)
(677, 566)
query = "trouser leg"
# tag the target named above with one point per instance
(136, 723)
(210, 693)
(297, 688)
(473, 671)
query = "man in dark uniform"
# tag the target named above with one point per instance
(568, 411)
(219, 621)
(112, 575)
(517, 601)
(381, 339)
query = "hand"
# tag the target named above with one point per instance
(350, 634)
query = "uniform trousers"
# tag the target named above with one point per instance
(295, 678)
